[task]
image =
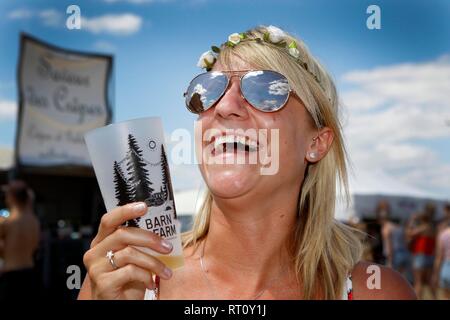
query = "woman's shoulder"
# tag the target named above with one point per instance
(372, 281)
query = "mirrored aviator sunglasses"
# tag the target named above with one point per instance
(265, 90)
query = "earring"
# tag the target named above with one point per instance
(312, 155)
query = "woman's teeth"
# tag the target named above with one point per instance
(231, 143)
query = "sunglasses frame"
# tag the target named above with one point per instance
(235, 73)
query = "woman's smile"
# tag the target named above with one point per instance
(236, 146)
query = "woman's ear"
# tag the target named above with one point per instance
(320, 144)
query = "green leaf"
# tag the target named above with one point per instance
(209, 65)
(215, 49)
(293, 44)
(242, 35)
(266, 37)
(230, 44)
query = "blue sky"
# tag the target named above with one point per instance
(156, 55)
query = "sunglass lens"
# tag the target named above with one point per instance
(205, 90)
(265, 90)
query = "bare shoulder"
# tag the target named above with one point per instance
(372, 281)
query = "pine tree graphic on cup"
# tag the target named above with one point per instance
(123, 190)
(137, 170)
(137, 186)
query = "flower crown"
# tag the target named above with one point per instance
(272, 35)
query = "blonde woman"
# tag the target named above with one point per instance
(259, 234)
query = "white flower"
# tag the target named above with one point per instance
(234, 38)
(206, 59)
(294, 52)
(275, 34)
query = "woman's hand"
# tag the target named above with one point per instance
(134, 267)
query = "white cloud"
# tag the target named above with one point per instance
(20, 14)
(199, 89)
(397, 123)
(51, 17)
(434, 176)
(393, 156)
(8, 110)
(421, 83)
(361, 100)
(121, 24)
(395, 114)
(279, 87)
(116, 24)
(48, 17)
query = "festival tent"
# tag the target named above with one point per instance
(366, 189)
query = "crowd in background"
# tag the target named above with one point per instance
(418, 247)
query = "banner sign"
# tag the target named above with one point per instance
(62, 95)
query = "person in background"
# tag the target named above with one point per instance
(441, 273)
(421, 233)
(19, 239)
(445, 221)
(382, 212)
(365, 239)
(395, 249)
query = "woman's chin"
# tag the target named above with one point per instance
(230, 181)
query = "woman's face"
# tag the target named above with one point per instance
(230, 172)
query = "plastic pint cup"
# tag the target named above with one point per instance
(130, 164)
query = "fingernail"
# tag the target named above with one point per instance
(166, 244)
(167, 273)
(138, 207)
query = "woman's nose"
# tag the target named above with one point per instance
(232, 104)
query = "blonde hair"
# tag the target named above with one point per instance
(325, 250)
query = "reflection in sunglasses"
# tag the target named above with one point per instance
(265, 90)
(279, 87)
(196, 103)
